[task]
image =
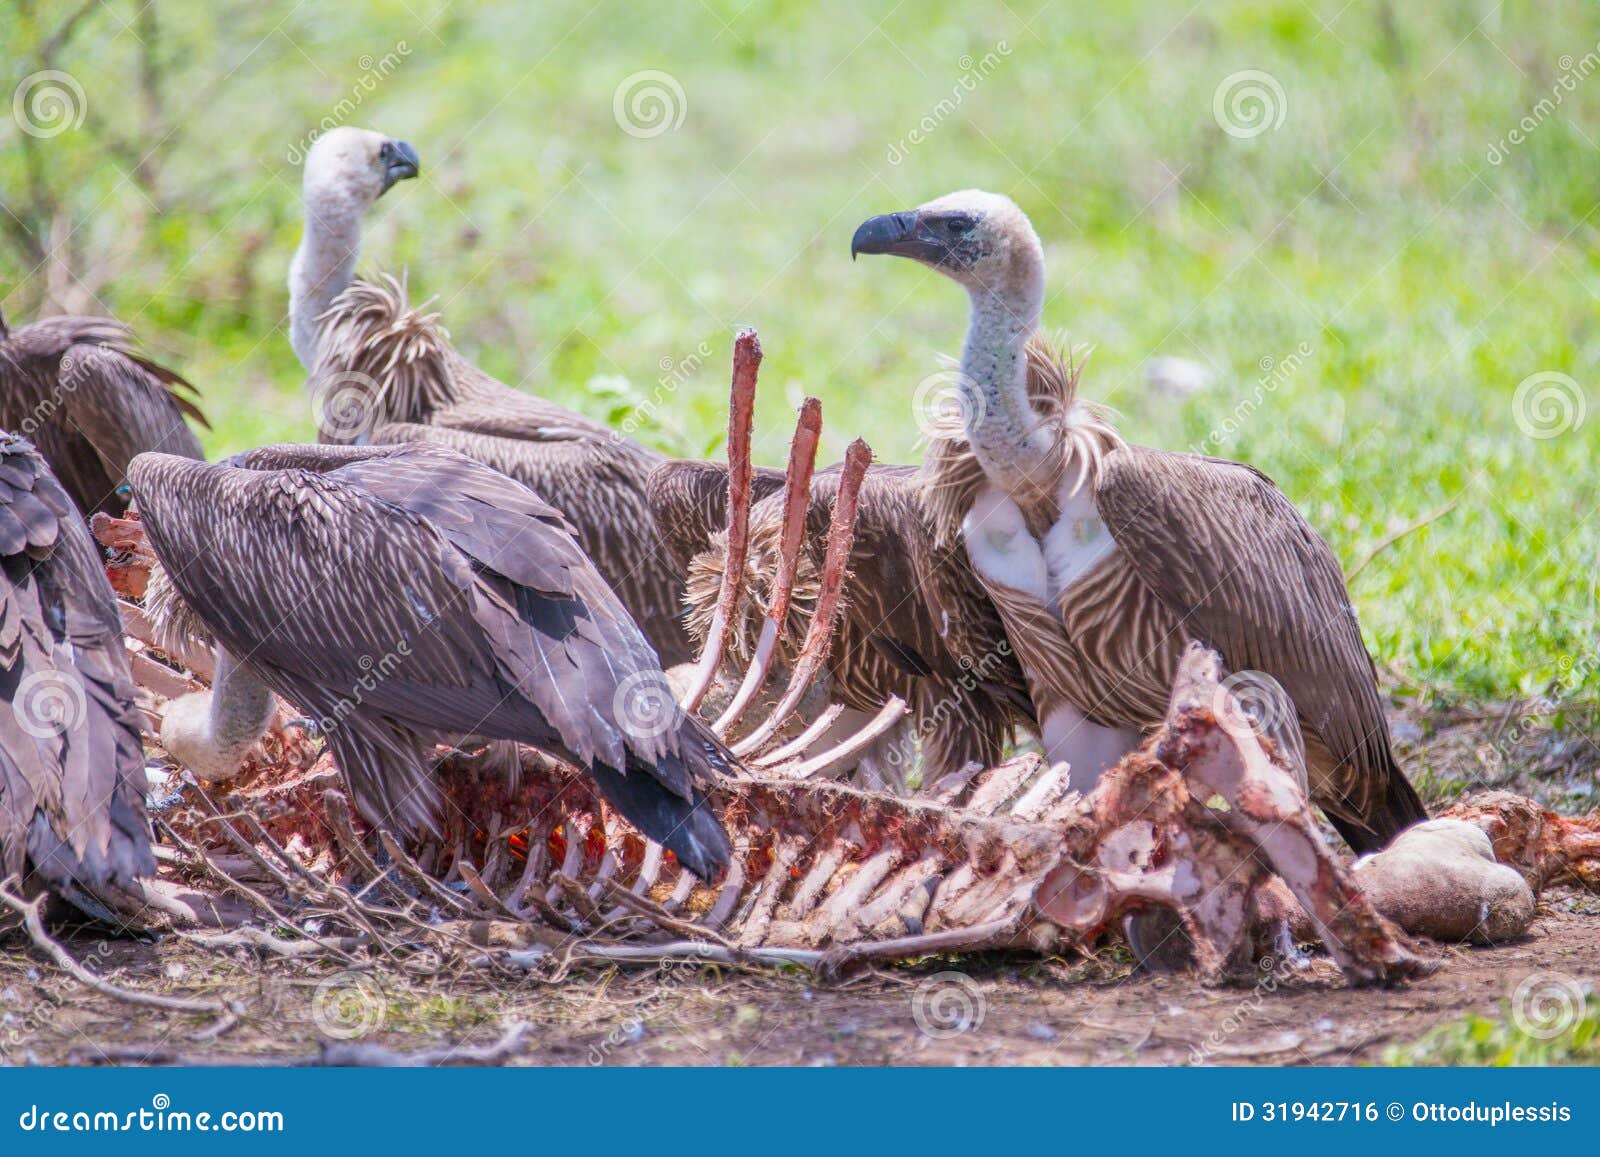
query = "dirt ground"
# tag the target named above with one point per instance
(984, 1010)
(977, 1011)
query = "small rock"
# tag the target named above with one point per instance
(633, 1032)
(1323, 1025)
(10, 995)
(746, 1016)
(825, 1061)
(1038, 1030)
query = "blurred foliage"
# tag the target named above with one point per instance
(1427, 263)
(1499, 1040)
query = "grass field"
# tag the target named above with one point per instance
(1369, 262)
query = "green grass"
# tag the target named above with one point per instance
(1499, 1040)
(572, 258)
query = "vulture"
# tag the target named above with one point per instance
(383, 372)
(71, 762)
(406, 596)
(76, 388)
(916, 622)
(1105, 559)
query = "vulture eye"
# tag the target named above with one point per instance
(959, 225)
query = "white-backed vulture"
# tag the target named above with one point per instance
(76, 388)
(71, 762)
(382, 371)
(1105, 559)
(916, 622)
(407, 595)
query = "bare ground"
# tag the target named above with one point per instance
(983, 1011)
(986, 1010)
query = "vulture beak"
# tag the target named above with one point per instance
(400, 161)
(886, 233)
(938, 238)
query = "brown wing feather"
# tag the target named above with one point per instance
(1243, 571)
(462, 587)
(75, 385)
(601, 491)
(71, 761)
(688, 499)
(413, 386)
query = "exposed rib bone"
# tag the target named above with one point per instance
(826, 762)
(798, 745)
(819, 635)
(796, 499)
(741, 415)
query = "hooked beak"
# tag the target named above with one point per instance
(886, 233)
(919, 234)
(400, 161)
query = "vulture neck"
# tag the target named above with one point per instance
(1015, 448)
(323, 266)
(240, 711)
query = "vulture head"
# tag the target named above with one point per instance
(979, 239)
(354, 167)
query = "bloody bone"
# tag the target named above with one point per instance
(741, 416)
